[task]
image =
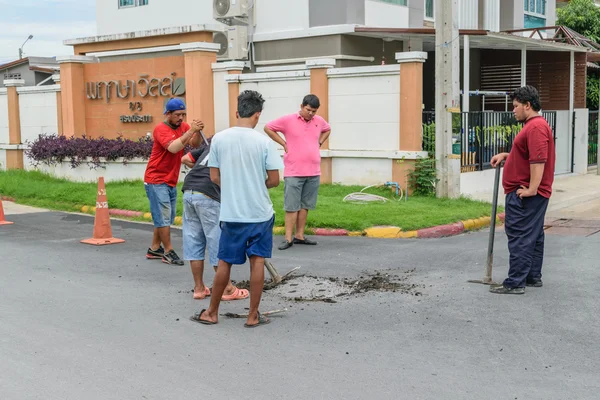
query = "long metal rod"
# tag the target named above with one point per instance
(490, 254)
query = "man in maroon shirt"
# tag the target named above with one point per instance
(527, 182)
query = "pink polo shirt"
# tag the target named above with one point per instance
(302, 139)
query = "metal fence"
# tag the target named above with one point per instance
(479, 135)
(593, 138)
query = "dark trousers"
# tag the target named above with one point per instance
(524, 226)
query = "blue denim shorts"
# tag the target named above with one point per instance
(163, 203)
(239, 240)
(200, 227)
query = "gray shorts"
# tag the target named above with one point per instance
(300, 192)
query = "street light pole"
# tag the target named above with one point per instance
(21, 48)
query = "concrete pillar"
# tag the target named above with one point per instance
(232, 89)
(14, 156)
(199, 58)
(411, 111)
(447, 96)
(73, 93)
(59, 116)
(319, 86)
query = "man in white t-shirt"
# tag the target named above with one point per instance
(245, 164)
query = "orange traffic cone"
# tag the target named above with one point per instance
(102, 229)
(3, 221)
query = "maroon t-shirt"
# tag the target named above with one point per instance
(534, 144)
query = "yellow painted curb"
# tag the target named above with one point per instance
(178, 221)
(355, 233)
(469, 224)
(387, 232)
(279, 230)
(407, 235)
(474, 224)
(85, 209)
(147, 216)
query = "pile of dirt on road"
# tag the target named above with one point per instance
(330, 289)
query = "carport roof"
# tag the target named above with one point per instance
(478, 39)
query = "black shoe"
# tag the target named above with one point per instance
(304, 241)
(501, 289)
(172, 258)
(285, 245)
(155, 254)
(535, 283)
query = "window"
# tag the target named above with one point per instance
(396, 2)
(535, 13)
(14, 75)
(535, 6)
(132, 3)
(429, 4)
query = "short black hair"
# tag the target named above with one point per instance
(250, 102)
(311, 100)
(528, 94)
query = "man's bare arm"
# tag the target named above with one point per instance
(215, 176)
(276, 138)
(272, 179)
(536, 172)
(324, 137)
(187, 161)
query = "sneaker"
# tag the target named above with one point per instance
(501, 289)
(172, 258)
(535, 283)
(155, 254)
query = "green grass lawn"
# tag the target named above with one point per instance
(40, 190)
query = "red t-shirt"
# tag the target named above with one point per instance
(164, 166)
(534, 144)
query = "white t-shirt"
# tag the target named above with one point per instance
(243, 157)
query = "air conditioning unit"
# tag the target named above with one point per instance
(234, 43)
(231, 12)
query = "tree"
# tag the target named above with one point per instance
(582, 16)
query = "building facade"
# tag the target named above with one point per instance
(35, 71)
(287, 32)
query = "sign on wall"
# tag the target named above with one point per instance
(142, 88)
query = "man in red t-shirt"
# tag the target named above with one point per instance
(527, 181)
(162, 173)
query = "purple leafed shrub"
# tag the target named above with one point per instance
(54, 149)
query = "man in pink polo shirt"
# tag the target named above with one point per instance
(304, 134)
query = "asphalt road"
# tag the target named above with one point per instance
(83, 322)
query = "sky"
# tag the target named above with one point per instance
(49, 21)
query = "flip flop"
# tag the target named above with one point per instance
(200, 296)
(238, 294)
(261, 321)
(196, 318)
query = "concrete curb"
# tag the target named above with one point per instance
(379, 232)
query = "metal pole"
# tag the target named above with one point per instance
(466, 74)
(490, 254)
(524, 65)
(487, 279)
(598, 140)
(204, 138)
